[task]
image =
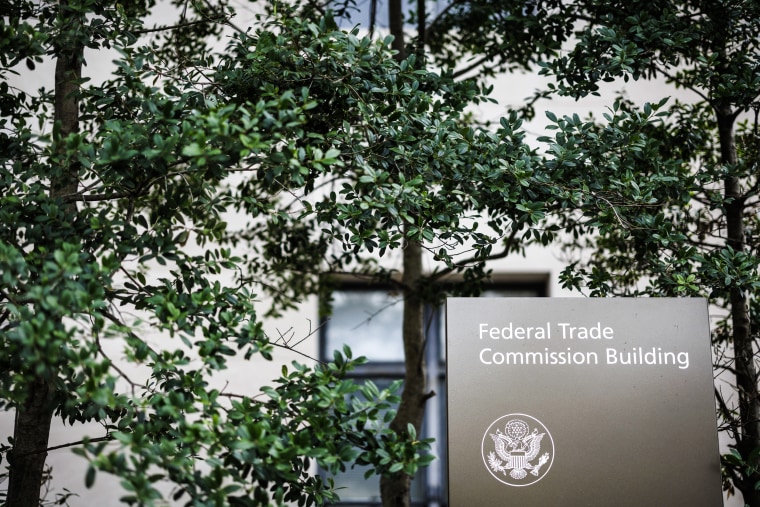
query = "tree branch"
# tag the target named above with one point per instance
(106, 438)
(504, 253)
(78, 197)
(180, 25)
(431, 25)
(471, 67)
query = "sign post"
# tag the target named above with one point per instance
(581, 402)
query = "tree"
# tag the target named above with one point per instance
(675, 187)
(410, 175)
(683, 194)
(101, 183)
(336, 148)
(664, 197)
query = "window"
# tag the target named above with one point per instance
(368, 319)
(360, 12)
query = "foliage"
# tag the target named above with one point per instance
(657, 201)
(257, 450)
(118, 308)
(686, 221)
(335, 155)
(493, 37)
(661, 200)
(684, 166)
(395, 160)
(407, 177)
(405, 172)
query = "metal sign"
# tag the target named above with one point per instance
(576, 401)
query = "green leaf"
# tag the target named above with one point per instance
(89, 478)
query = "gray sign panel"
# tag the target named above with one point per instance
(581, 402)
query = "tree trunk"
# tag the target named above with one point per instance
(34, 415)
(744, 357)
(30, 439)
(396, 27)
(396, 489)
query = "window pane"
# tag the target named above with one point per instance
(361, 13)
(352, 487)
(367, 321)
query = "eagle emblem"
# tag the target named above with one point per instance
(521, 453)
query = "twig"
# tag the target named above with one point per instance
(504, 253)
(178, 26)
(106, 438)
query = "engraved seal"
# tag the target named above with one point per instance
(518, 450)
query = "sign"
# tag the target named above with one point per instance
(582, 402)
